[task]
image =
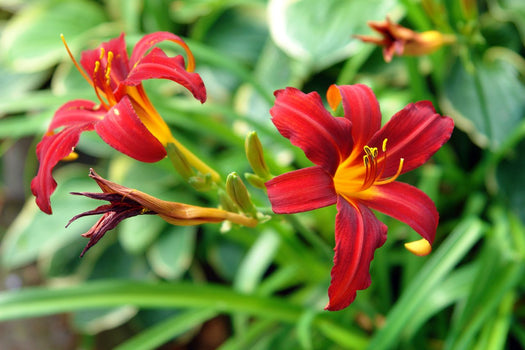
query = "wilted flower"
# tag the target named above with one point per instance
(357, 163)
(398, 40)
(124, 117)
(125, 202)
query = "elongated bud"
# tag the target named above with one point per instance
(255, 155)
(179, 161)
(255, 181)
(226, 201)
(239, 194)
(469, 8)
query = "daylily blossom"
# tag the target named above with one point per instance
(124, 116)
(398, 40)
(125, 203)
(356, 165)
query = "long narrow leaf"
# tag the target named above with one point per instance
(453, 249)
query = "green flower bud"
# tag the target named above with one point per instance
(255, 155)
(239, 194)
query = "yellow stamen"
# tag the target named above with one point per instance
(102, 53)
(95, 71)
(421, 247)
(108, 68)
(75, 61)
(370, 162)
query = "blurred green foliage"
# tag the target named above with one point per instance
(165, 282)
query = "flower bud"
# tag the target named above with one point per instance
(255, 155)
(239, 194)
(255, 181)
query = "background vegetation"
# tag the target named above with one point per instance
(150, 285)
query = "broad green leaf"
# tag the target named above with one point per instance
(34, 233)
(138, 233)
(515, 11)
(16, 84)
(225, 256)
(508, 173)
(485, 100)
(256, 262)
(31, 40)
(319, 33)
(172, 253)
(239, 33)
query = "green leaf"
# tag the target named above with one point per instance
(46, 300)
(34, 233)
(138, 233)
(319, 33)
(31, 40)
(16, 84)
(485, 100)
(171, 254)
(507, 174)
(256, 262)
(154, 337)
(431, 275)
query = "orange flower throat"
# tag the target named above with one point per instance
(354, 179)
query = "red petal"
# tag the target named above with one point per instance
(75, 113)
(361, 108)
(301, 190)
(303, 119)
(119, 64)
(49, 152)
(408, 204)
(156, 65)
(358, 234)
(150, 40)
(122, 129)
(415, 133)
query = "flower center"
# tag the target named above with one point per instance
(352, 179)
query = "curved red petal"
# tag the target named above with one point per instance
(150, 40)
(49, 152)
(119, 66)
(76, 113)
(301, 190)
(122, 129)
(408, 204)
(362, 109)
(156, 65)
(415, 133)
(302, 118)
(358, 234)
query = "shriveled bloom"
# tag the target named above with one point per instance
(398, 40)
(356, 165)
(124, 116)
(125, 202)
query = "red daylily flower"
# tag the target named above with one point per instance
(357, 163)
(125, 203)
(398, 40)
(124, 117)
